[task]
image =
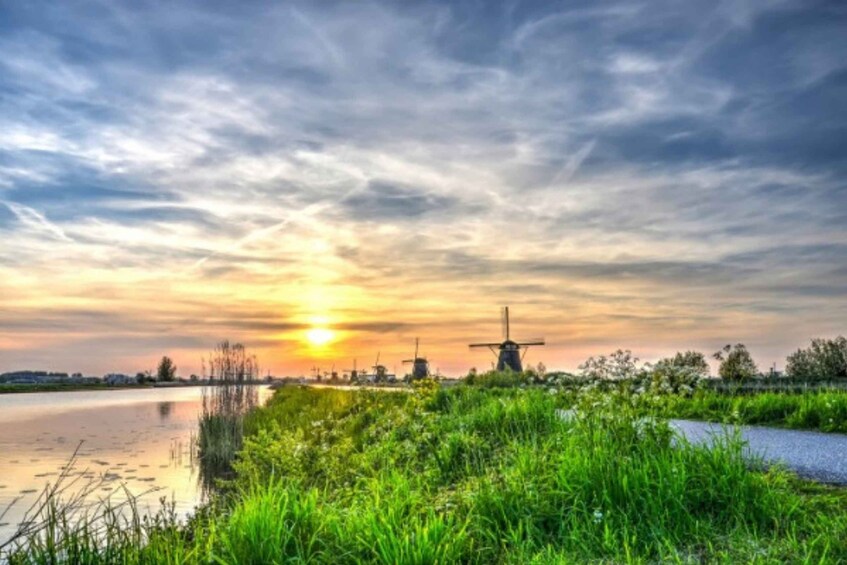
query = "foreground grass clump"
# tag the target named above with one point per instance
(824, 411)
(500, 475)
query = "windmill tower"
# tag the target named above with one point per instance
(508, 352)
(420, 366)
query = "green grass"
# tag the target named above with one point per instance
(824, 411)
(476, 476)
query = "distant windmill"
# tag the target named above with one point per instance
(380, 372)
(354, 373)
(508, 352)
(420, 366)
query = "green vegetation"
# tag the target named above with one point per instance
(824, 411)
(473, 475)
(824, 359)
(736, 363)
(233, 372)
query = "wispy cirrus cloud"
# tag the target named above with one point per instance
(669, 170)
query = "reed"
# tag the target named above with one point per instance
(230, 395)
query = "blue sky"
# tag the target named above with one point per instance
(646, 175)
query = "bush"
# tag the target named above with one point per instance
(502, 379)
(824, 359)
(668, 379)
(620, 365)
(693, 360)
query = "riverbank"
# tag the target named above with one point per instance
(55, 387)
(478, 476)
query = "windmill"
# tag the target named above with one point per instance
(379, 370)
(508, 352)
(354, 373)
(420, 366)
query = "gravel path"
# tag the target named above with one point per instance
(813, 455)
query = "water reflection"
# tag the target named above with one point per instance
(138, 439)
(165, 410)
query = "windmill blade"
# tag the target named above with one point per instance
(416, 347)
(539, 341)
(408, 361)
(504, 321)
(475, 345)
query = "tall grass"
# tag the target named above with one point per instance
(486, 476)
(824, 411)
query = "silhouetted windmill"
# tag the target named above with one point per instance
(380, 372)
(354, 373)
(508, 352)
(420, 366)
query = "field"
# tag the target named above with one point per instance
(474, 475)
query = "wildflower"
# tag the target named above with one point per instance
(598, 516)
(566, 415)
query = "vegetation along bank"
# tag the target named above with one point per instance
(477, 475)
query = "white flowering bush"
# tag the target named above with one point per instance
(620, 365)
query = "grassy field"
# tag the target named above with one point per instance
(472, 475)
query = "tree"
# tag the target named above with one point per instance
(166, 371)
(824, 359)
(736, 363)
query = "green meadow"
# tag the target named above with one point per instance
(473, 475)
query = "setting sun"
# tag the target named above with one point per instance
(320, 336)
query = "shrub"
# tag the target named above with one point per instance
(500, 379)
(693, 360)
(665, 378)
(620, 365)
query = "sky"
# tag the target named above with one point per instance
(654, 176)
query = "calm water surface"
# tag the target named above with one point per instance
(139, 438)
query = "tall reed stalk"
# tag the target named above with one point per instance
(227, 398)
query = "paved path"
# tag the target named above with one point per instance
(813, 455)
